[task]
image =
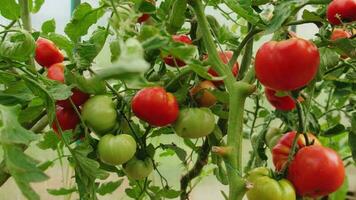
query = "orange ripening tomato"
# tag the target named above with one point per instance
(200, 93)
(155, 106)
(281, 150)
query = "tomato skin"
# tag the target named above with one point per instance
(287, 65)
(285, 103)
(116, 149)
(344, 8)
(194, 123)
(225, 57)
(144, 17)
(99, 113)
(46, 53)
(281, 150)
(78, 97)
(266, 188)
(316, 171)
(138, 169)
(155, 106)
(200, 93)
(176, 62)
(67, 119)
(56, 72)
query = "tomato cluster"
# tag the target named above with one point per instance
(50, 57)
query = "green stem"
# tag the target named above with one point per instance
(246, 59)
(210, 45)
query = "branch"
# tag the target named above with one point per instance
(201, 161)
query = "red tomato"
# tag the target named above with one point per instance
(285, 103)
(78, 97)
(47, 53)
(155, 106)
(316, 171)
(56, 72)
(281, 150)
(144, 17)
(175, 62)
(287, 65)
(67, 119)
(345, 9)
(339, 33)
(225, 58)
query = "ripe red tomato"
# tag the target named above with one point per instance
(285, 103)
(155, 106)
(67, 119)
(47, 53)
(56, 72)
(345, 9)
(78, 97)
(287, 65)
(200, 93)
(144, 17)
(316, 171)
(281, 150)
(339, 33)
(175, 62)
(225, 58)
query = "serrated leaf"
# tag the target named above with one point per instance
(11, 131)
(50, 141)
(59, 91)
(280, 14)
(109, 187)
(84, 16)
(23, 169)
(19, 46)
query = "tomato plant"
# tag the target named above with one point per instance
(144, 92)
(263, 186)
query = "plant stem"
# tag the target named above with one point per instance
(201, 161)
(246, 59)
(210, 45)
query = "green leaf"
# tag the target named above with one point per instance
(61, 191)
(335, 130)
(179, 151)
(280, 14)
(19, 46)
(313, 16)
(341, 192)
(130, 63)
(115, 50)
(328, 59)
(59, 91)
(241, 11)
(170, 193)
(48, 26)
(10, 9)
(88, 85)
(347, 46)
(84, 16)
(11, 131)
(88, 50)
(62, 42)
(109, 187)
(23, 170)
(16, 93)
(35, 5)
(50, 141)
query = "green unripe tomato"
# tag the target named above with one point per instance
(194, 123)
(99, 113)
(116, 150)
(266, 188)
(138, 169)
